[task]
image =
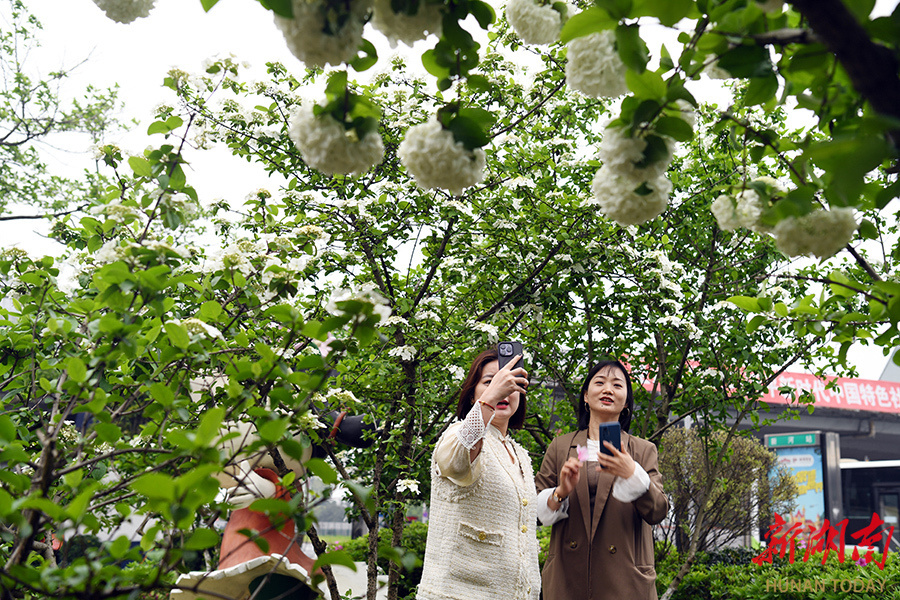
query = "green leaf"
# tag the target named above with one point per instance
(632, 49)
(155, 486)
(7, 429)
(483, 13)
(747, 61)
(469, 132)
(593, 20)
(271, 431)
(208, 4)
(178, 335)
(648, 84)
(747, 303)
(367, 57)
(760, 90)
(283, 8)
(76, 369)
(108, 432)
(140, 166)
(868, 230)
(668, 12)
(755, 322)
(202, 539)
(676, 128)
(338, 557)
(322, 470)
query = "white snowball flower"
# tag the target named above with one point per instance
(367, 293)
(327, 147)
(408, 485)
(594, 68)
(723, 209)
(198, 327)
(630, 201)
(744, 210)
(821, 233)
(436, 160)
(492, 332)
(401, 27)
(405, 353)
(533, 22)
(306, 35)
(626, 193)
(125, 11)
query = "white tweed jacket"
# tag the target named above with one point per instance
(481, 529)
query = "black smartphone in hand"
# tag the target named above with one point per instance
(506, 351)
(612, 433)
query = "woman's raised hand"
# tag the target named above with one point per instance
(506, 382)
(568, 477)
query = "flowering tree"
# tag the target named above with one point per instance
(397, 230)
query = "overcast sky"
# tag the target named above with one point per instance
(178, 33)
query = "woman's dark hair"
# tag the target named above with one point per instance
(584, 411)
(467, 393)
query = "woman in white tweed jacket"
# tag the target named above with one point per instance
(481, 530)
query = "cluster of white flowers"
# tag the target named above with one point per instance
(401, 27)
(125, 11)
(341, 397)
(310, 422)
(624, 192)
(593, 66)
(820, 233)
(367, 293)
(678, 323)
(404, 353)
(408, 485)
(326, 146)
(186, 206)
(457, 372)
(116, 211)
(394, 320)
(313, 231)
(430, 315)
(109, 252)
(436, 160)
(535, 23)
(743, 210)
(198, 327)
(492, 332)
(318, 37)
(233, 257)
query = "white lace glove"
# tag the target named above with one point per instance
(473, 427)
(250, 486)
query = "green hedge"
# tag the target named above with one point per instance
(732, 574)
(728, 574)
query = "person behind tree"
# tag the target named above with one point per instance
(481, 529)
(602, 506)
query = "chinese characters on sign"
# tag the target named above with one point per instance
(785, 538)
(853, 394)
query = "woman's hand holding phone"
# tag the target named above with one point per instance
(505, 382)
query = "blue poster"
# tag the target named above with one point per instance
(804, 463)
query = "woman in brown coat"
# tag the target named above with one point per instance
(602, 506)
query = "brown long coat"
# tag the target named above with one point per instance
(611, 555)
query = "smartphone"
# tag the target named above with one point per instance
(506, 351)
(612, 433)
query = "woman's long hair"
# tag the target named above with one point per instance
(467, 393)
(584, 411)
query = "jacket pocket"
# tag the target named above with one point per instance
(477, 553)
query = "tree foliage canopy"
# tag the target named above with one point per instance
(171, 314)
